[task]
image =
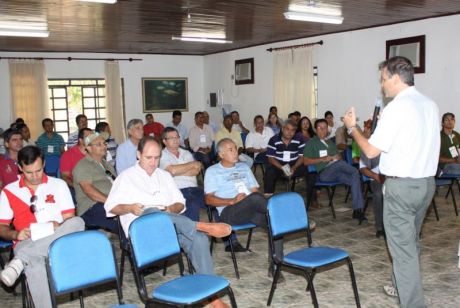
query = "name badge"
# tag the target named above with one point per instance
(241, 188)
(322, 153)
(286, 156)
(152, 135)
(50, 149)
(202, 138)
(453, 151)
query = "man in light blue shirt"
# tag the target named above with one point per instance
(126, 152)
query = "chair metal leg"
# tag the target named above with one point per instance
(80, 295)
(232, 297)
(122, 266)
(312, 289)
(249, 239)
(435, 208)
(235, 264)
(353, 282)
(348, 194)
(165, 266)
(453, 200)
(330, 194)
(275, 281)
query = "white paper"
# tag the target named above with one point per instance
(202, 138)
(50, 149)
(286, 156)
(322, 153)
(41, 230)
(453, 151)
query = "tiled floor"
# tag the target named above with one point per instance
(441, 276)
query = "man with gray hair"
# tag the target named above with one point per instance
(126, 152)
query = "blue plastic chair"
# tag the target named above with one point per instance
(449, 182)
(330, 188)
(5, 245)
(153, 239)
(214, 216)
(287, 215)
(52, 165)
(81, 260)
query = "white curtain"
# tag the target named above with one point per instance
(114, 104)
(293, 81)
(29, 93)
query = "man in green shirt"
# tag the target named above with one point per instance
(449, 156)
(322, 153)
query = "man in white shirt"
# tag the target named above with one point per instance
(237, 125)
(181, 128)
(184, 169)
(145, 188)
(201, 140)
(257, 141)
(407, 139)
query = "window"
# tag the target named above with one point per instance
(71, 97)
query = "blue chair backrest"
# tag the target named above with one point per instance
(52, 165)
(153, 238)
(79, 260)
(311, 168)
(287, 213)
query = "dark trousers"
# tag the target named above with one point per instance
(194, 201)
(377, 204)
(205, 159)
(95, 216)
(272, 174)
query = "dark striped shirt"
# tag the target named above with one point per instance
(276, 149)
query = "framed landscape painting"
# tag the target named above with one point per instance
(164, 94)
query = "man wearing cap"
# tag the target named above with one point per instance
(449, 157)
(92, 179)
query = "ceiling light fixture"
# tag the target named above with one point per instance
(101, 1)
(200, 39)
(313, 17)
(23, 32)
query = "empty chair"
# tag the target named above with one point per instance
(81, 260)
(153, 239)
(287, 215)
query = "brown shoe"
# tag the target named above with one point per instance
(214, 229)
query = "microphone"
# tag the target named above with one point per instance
(378, 105)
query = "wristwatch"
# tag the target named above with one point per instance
(350, 129)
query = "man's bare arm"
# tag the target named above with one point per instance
(192, 168)
(92, 192)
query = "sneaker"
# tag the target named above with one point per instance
(312, 225)
(236, 248)
(12, 272)
(390, 291)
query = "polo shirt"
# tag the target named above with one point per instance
(72, 140)
(408, 136)
(136, 186)
(89, 170)
(448, 142)
(233, 134)
(50, 146)
(53, 200)
(200, 137)
(317, 148)
(70, 159)
(257, 140)
(294, 149)
(183, 131)
(8, 171)
(111, 150)
(229, 182)
(126, 155)
(154, 129)
(168, 159)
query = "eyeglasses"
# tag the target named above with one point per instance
(172, 138)
(108, 173)
(33, 201)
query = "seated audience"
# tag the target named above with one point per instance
(82, 122)
(449, 156)
(126, 152)
(274, 110)
(231, 187)
(227, 132)
(305, 129)
(92, 179)
(295, 116)
(212, 124)
(274, 123)
(181, 128)
(331, 125)
(237, 124)
(104, 127)
(323, 153)
(50, 142)
(144, 188)
(201, 138)
(184, 169)
(9, 162)
(34, 198)
(25, 132)
(152, 128)
(257, 140)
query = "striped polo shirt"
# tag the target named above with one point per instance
(285, 153)
(50, 146)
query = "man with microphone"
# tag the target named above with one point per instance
(407, 139)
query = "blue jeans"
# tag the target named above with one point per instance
(194, 201)
(194, 243)
(452, 169)
(342, 172)
(95, 216)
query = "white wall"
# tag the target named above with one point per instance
(132, 72)
(348, 73)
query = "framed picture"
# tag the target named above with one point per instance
(164, 94)
(412, 48)
(244, 71)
